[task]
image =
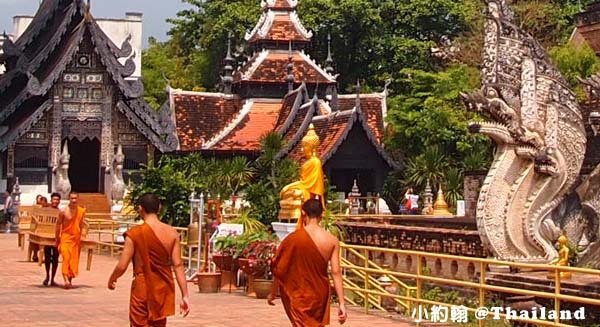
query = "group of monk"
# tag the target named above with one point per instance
(68, 239)
(300, 268)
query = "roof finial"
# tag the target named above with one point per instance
(229, 61)
(88, 8)
(290, 69)
(329, 60)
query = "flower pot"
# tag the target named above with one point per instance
(224, 262)
(262, 287)
(250, 287)
(209, 282)
(228, 279)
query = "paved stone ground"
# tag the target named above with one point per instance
(25, 302)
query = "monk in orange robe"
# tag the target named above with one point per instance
(154, 248)
(300, 270)
(68, 238)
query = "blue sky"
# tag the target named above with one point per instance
(155, 12)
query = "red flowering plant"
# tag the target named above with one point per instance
(260, 255)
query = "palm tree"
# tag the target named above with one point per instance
(454, 186)
(237, 173)
(430, 165)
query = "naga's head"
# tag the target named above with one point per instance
(501, 121)
(498, 9)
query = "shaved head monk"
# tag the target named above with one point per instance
(300, 270)
(154, 248)
(68, 238)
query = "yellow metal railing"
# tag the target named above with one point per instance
(412, 296)
(106, 232)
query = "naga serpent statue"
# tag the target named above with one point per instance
(533, 192)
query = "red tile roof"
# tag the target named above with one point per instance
(260, 120)
(281, 29)
(200, 116)
(271, 67)
(372, 107)
(280, 4)
(297, 129)
(332, 130)
(287, 113)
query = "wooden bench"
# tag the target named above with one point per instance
(43, 231)
(24, 225)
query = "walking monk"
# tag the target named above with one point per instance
(68, 238)
(300, 270)
(154, 248)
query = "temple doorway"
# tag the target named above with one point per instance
(84, 165)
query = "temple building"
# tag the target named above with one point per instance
(70, 96)
(281, 88)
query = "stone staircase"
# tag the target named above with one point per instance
(96, 204)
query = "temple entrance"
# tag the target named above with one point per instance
(84, 165)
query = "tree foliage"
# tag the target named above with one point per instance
(430, 51)
(575, 61)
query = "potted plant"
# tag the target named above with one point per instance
(260, 254)
(224, 258)
(225, 249)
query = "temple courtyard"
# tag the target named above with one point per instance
(27, 303)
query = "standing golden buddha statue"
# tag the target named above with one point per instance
(311, 184)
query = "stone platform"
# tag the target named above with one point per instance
(27, 303)
(579, 285)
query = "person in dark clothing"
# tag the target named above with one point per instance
(51, 252)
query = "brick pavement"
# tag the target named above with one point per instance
(25, 302)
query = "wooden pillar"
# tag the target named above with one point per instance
(10, 162)
(151, 152)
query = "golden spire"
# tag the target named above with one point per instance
(440, 208)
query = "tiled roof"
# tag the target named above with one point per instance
(260, 120)
(332, 130)
(286, 113)
(324, 108)
(282, 28)
(200, 116)
(297, 129)
(281, 4)
(372, 106)
(270, 66)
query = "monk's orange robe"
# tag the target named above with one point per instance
(153, 289)
(304, 283)
(70, 243)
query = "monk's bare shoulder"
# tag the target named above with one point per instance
(332, 240)
(169, 230)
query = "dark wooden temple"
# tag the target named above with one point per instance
(64, 83)
(280, 88)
